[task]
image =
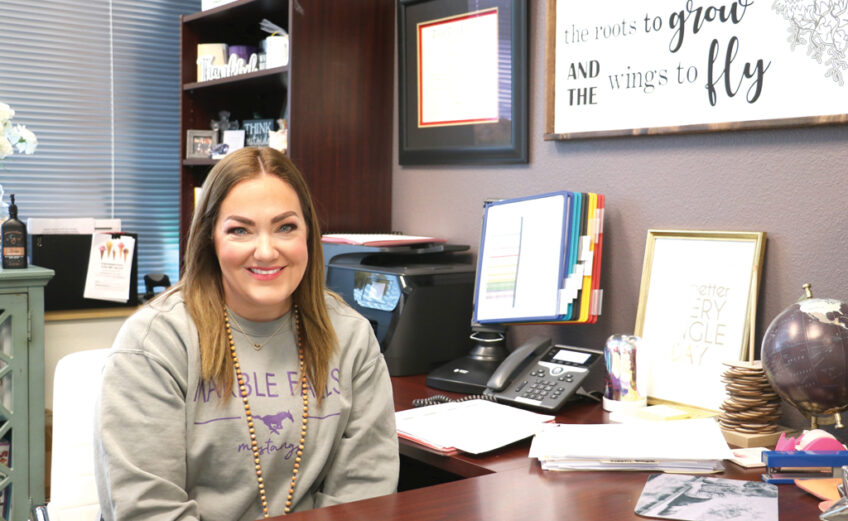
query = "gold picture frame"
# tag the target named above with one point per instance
(697, 306)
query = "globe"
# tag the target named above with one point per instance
(805, 356)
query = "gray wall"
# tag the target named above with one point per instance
(786, 182)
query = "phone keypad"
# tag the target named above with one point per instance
(544, 385)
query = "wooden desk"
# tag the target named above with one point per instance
(507, 485)
(408, 388)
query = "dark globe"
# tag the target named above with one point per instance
(805, 356)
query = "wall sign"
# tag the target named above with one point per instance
(621, 67)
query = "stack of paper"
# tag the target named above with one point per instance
(72, 226)
(473, 426)
(378, 239)
(692, 446)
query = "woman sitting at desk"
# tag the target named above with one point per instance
(246, 390)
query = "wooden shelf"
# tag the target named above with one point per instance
(239, 8)
(89, 314)
(199, 161)
(249, 80)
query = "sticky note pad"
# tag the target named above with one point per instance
(661, 412)
(822, 488)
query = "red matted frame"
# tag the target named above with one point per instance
(491, 14)
(502, 139)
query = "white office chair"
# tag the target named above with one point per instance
(73, 493)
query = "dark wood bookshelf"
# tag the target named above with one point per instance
(335, 94)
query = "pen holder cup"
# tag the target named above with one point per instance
(625, 384)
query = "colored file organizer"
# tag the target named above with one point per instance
(540, 260)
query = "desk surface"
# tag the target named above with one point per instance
(507, 485)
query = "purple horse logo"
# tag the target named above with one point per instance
(275, 421)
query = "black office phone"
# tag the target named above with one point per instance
(541, 376)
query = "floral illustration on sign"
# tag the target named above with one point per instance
(823, 27)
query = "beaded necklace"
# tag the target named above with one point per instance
(304, 394)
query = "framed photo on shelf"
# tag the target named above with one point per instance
(199, 143)
(697, 304)
(234, 139)
(462, 82)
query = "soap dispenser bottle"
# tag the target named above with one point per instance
(13, 236)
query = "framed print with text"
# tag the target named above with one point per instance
(625, 67)
(462, 82)
(697, 300)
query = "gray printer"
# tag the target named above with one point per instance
(419, 299)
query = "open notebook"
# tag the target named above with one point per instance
(473, 426)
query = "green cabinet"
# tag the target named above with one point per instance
(22, 390)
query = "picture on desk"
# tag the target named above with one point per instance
(699, 498)
(696, 304)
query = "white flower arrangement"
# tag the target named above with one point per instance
(14, 139)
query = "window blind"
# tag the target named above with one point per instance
(98, 84)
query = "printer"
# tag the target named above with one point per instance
(419, 299)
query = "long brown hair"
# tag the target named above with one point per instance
(202, 285)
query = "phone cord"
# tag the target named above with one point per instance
(441, 398)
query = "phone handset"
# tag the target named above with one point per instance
(516, 361)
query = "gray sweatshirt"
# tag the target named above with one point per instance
(167, 448)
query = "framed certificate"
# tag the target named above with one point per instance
(462, 82)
